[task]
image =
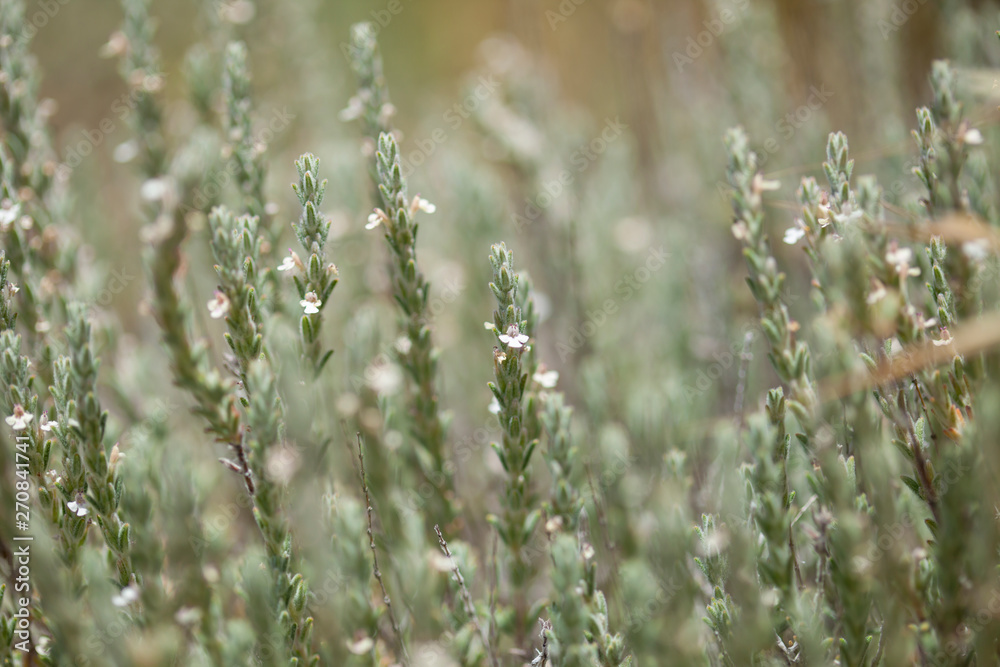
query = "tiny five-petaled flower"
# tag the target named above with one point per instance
(127, 596)
(421, 204)
(377, 217)
(545, 377)
(20, 419)
(355, 109)
(793, 235)
(76, 508)
(8, 213)
(219, 306)
(513, 338)
(45, 424)
(291, 262)
(901, 258)
(311, 303)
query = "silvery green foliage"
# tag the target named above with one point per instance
(246, 149)
(519, 517)
(236, 248)
(395, 214)
(561, 455)
(316, 277)
(183, 463)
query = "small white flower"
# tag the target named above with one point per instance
(404, 345)
(793, 235)
(849, 216)
(282, 464)
(45, 424)
(127, 596)
(44, 646)
(740, 231)
(376, 218)
(219, 306)
(126, 151)
(9, 290)
(311, 303)
(877, 294)
(489, 326)
(20, 419)
(154, 189)
(546, 378)
(361, 645)
(494, 406)
(355, 109)
(187, 615)
(514, 338)
(977, 250)
(386, 113)
(945, 339)
(116, 456)
(385, 379)
(9, 212)
(116, 46)
(421, 204)
(823, 219)
(901, 258)
(973, 137)
(760, 184)
(77, 508)
(291, 262)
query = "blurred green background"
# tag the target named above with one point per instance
(675, 73)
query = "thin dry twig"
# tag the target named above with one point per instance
(970, 338)
(377, 572)
(470, 608)
(542, 658)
